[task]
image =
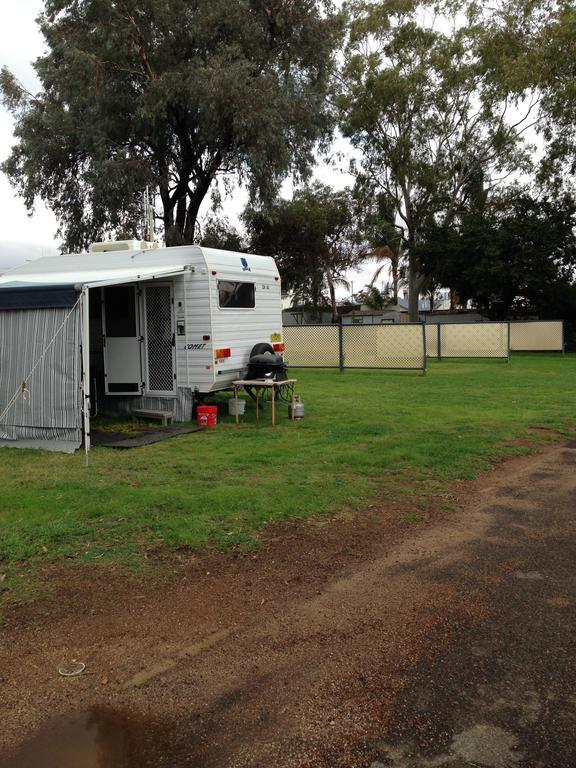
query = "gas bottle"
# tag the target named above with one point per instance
(298, 411)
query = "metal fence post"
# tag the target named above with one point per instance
(425, 362)
(438, 342)
(508, 358)
(340, 345)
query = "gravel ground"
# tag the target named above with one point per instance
(343, 643)
(502, 693)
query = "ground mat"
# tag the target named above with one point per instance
(118, 440)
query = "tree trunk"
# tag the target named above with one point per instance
(194, 202)
(394, 264)
(170, 236)
(332, 292)
(181, 215)
(414, 285)
(317, 300)
(167, 209)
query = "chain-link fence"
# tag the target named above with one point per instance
(400, 347)
(467, 340)
(384, 346)
(432, 337)
(406, 345)
(537, 336)
(312, 346)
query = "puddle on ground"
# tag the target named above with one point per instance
(98, 738)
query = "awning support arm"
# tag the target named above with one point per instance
(85, 341)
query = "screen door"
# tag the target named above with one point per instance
(159, 339)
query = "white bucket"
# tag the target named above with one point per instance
(236, 406)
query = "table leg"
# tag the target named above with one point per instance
(273, 405)
(292, 402)
(257, 403)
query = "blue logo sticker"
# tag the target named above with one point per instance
(244, 262)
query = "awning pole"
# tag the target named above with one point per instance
(85, 326)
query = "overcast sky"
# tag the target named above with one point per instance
(23, 236)
(20, 44)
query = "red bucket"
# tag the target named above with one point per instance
(207, 416)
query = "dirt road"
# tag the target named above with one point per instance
(345, 643)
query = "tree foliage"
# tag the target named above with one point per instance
(372, 297)
(377, 227)
(218, 232)
(313, 240)
(412, 103)
(529, 50)
(508, 259)
(171, 94)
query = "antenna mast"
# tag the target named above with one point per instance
(148, 215)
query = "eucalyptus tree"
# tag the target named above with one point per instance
(529, 49)
(429, 132)
(314, 240)
(218, 232)
(383, 238)
(169, 94)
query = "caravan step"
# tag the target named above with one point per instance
(148, 413)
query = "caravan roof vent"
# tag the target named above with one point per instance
(122, 245)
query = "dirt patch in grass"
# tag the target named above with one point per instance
(292, 655)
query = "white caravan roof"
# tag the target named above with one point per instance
(113, 267)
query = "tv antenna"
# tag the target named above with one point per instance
(148, 214)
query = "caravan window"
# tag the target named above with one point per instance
(235, 295)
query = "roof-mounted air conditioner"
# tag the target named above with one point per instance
(122, 245)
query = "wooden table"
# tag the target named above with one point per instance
(261, 384)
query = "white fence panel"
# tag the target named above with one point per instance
(431, 333)
(537, 336)
(384, 346)
(311, 346)
(356, 346)
(474, 340)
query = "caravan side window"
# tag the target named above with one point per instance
(236, 295)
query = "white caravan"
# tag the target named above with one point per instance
(157, 328)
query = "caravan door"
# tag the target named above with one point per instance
(158, 325)
(122, 341)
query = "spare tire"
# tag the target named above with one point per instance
(259, 349)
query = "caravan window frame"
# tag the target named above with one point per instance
(237, 282)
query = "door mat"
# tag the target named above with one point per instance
(117, 440)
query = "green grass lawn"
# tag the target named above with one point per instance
(366, 434)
